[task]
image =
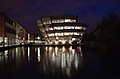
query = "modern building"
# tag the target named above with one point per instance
(61, 30)
(7, 31)
(11, 33)
(21, 35)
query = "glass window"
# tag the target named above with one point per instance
(70, 20)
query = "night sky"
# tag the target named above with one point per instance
(26, 12)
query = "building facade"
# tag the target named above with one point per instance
(61, 29)
(11, 33)
(21, 35)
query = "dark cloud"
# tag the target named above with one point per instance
(26, 12)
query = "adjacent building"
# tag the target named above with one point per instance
(7, 30)
(21, 35)
(61, 30)
(11, 33)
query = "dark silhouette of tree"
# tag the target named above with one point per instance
(106, 40)
(108, 30)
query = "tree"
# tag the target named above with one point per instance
(108, 30)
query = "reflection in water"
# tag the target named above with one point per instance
(38, 54)
(50, 60)
(62, 59)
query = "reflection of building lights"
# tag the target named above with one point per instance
(63, 62)
(80, 52)
(76, 61)
(56, 51)
(73, 51)
(70, 48)
(17, 50)
(53, 57)
(61, 57)
(63, 49)
(6, 54)
(38, 51)
(50, 48)
(28, 53)
(68, 71)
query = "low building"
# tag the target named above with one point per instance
(61, 29)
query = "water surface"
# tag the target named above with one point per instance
(40, 62)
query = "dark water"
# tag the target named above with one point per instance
(52, 63)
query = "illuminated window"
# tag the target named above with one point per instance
(75, 33)
(58, 34)
(58, 28)
(1, 41)
(40, 24)
(69, 27)
(52, 34)
(47, 29)
(41, 29)
(70, 20)
(45, 35)
(78, 27)
(73, 39)
(47, 22)
(58, 21)
(50, 28)
(68, 33)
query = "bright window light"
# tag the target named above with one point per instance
(78, 27)
(75, 33)
(52, 34)
(58, 21)
(70, 20)
(73, 39)
(50, 28)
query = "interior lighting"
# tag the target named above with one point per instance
(70, 20)
(63, 41)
